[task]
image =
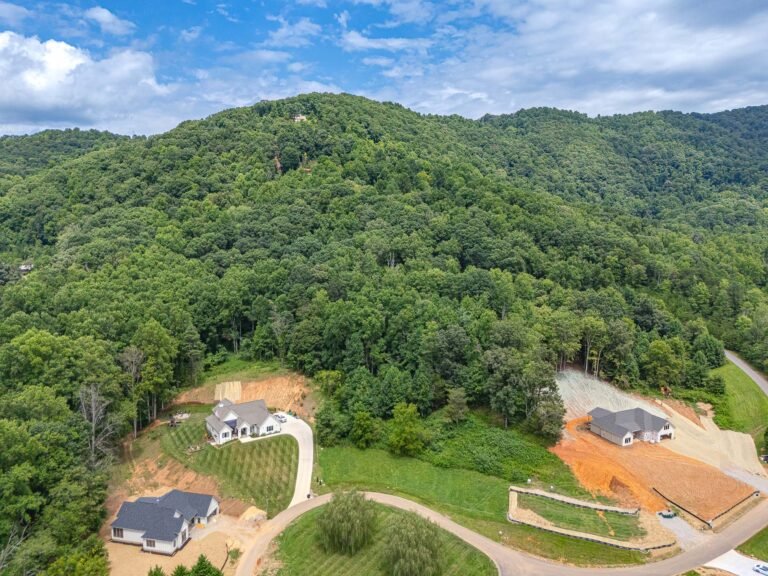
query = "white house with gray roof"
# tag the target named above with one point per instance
(626, 426)
(163, 525)
(230, 421)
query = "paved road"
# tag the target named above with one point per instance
(758, 378)
(508, 561)
(512, 562)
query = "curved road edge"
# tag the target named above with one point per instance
(512, 562)
(756, 376)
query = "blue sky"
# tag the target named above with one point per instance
(140, 67)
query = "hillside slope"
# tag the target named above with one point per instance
(394, 256)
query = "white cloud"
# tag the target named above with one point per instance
(596, 57)
(295, 35)
(405, 11)
(223, 10)
(108, 22)
(260, 56)
(316, 3)
(342, 19)
(55, 82)
(12, 14)
(191, 34)
(354, 41)
(378, 61)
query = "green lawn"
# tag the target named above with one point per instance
(261, 472)
(747, 404)
(757, 546)
(475, 500)
(607, 524)
(300, 555)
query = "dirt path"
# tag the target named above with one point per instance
(511, 562)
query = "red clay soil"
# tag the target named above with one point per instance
(629, 474)
(284, 392)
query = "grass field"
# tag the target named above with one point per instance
(747, 405)
(300, 554)
(262, 472)
(608, 524)
(236, 368)
(470, 498)
(481, 444)
(757, 546)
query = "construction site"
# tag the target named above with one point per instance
(708, 474)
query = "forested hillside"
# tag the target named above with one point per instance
(23, 155)
(393, 256)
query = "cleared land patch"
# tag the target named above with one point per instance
(298, 552)
(285, 392)
(630, 474)
(262, 473)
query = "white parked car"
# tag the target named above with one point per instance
(281, 418)
(760, 569)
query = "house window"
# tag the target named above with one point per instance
(666, 426)
(270, 428)
(225, 435)
(117, 532)
(627, 440)
(149, 543)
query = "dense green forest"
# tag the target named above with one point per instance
(394, 256)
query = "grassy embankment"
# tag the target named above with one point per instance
(477, 501)
(261, 472)
(607, 524)
(746, 404)
(299, 553)
(757, 546)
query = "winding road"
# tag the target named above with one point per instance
(511, 562)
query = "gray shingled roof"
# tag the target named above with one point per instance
(254, 412)
(632, 420)
(156, 522)
(217, 424)
(599, 413)
(162, 518)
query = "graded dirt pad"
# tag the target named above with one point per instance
(581, 393)
(630, 473)
(724, 449)
(125, 560)
(284, 392)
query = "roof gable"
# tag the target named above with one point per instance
(627, 421)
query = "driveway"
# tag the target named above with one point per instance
(302, 431)
(734, 563)
(508, 561)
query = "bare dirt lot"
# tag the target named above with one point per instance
(131, 561)
(283, 392)
(630, 473)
